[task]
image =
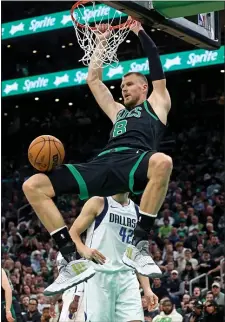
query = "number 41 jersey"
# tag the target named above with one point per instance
(110, 233)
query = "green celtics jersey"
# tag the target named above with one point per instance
(138, 128)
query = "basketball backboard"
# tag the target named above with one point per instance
(199, 29)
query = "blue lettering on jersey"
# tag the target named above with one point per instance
(124, 114)
(122, 220)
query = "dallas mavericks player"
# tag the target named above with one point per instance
(113, 293)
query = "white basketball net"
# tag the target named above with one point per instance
(106, 52)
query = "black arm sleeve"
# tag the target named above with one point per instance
(151, 51)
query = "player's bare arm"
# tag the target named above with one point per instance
(90, 211)
(159, 98)
(151, 298)
(100, 91)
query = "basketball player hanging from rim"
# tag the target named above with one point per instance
(129, 162)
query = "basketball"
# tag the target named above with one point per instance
(45, 153)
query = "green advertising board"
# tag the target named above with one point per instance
(57, 20)
(171, 62)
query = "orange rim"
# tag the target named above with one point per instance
(82, 2)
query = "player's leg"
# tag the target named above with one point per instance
(159, 171)
(99, 298)
(128, 300)
(39, 190)
(153, 173)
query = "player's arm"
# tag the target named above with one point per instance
(149, 295)
(100, 91)
(160, 91)
(89, 212)
(8, 295)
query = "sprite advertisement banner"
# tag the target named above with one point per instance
(75, 77)
(57, 20)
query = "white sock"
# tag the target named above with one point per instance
(146, 214)
(55, 231)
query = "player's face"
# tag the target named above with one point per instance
(133, 90)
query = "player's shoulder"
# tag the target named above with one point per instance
(97, 203)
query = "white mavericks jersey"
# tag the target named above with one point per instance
(110, 233)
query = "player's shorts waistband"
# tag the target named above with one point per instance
(122, 148)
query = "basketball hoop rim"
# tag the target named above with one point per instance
(126, 24)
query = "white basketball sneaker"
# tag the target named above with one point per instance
(139, 259)
(73, 273)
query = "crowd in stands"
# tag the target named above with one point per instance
(186, 241)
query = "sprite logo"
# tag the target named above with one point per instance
(136, 67)
(80, 77)
(36, 24)
(38, 83)
(208, 56)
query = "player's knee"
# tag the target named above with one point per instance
(38, 184)
(160, 162)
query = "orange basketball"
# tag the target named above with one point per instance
(46, 152)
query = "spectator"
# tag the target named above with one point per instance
(45, 317)
(218, 296)
(185, 303)
(167, 273)
(214, 247)
(175, 287)
(165, 229)
(209, 296)
(32, 315)
(197, 314)
(179, 255)
(158, 289)
(212, 312)
(166, 216)
(173, 237)
(197, 293)
(194, 225)
(24, 304)
(182, 227)
(206, 264)
(168, 313)
(188, 274)
(189, 258)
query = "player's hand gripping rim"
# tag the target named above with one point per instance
(93, 255)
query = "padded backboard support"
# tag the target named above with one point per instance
(178, 27)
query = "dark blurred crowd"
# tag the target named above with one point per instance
(187, 240)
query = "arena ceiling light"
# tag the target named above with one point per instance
(48, 56)
(5, 114)
(8, 46)
(112, 87)
(152, 30)
(70, 44)
(222, 71)
(63, 46)
(70, 103)
(189, 80)
(120, 99)
(17, 106)
(34, 51)
(57, 100)
(128, 41)
(36, 98)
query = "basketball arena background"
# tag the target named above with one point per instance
(44, 92)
